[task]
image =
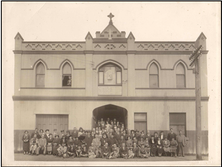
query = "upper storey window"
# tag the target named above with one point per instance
(66, 75)
(180, 76)
(40, 75)
(153, 76)
(110, 74)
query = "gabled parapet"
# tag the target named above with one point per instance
(18, 41)
(201, 40)
(89, 41)
(131, 41)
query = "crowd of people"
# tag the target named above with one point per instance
(109, 139)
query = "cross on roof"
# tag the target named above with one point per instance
(110, 16)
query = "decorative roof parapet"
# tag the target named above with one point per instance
(53, 46)
(164, 46)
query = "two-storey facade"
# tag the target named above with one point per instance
(146, 85)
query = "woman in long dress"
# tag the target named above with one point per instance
(26, 139)
(159, 147)
(49, 144)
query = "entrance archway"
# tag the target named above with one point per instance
(110, 111)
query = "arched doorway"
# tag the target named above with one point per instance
(110, 111)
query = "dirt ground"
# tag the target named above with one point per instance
(22, 157)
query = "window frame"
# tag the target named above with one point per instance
(184, 81)
(145, 113)
(36, 74)
(158, 80)
(184, 74)
(117, 69)
(179, 124)
(63, 75)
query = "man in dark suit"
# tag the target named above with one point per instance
(171, 135)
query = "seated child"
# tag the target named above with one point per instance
(78, 151)
(62, 151)
(49, 144)
(65, 152)
(91, 152)
(115, 152)
(33, 144)
(84, 152)
(135, 150)
(130, 152)
(105, 151)
(123, 151)
(55, 145)
(173, 147)
(147, 145)
(159, 147)
(71, 150)
(142, 152)
(166, 145)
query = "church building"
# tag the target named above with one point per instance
(146, 85)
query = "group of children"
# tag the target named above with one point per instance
(109, 139)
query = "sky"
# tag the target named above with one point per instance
(45, 21)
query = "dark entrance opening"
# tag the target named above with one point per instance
(110, 111)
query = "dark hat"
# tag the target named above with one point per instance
(46, 130)
(50, 134)
(56, 135)
(41, 130)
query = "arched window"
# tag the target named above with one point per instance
(40, 75)
(180, 76)
(153, 76)
(66, 75)
(110, 74)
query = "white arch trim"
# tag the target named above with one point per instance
(110, 61)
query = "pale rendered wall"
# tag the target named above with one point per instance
(157, 112)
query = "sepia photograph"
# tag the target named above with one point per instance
(111, 83)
